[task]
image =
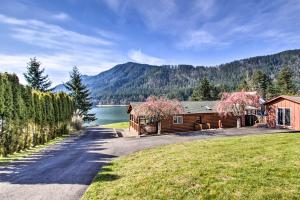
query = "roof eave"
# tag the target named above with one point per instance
(283, 97)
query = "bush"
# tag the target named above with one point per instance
(77, 122)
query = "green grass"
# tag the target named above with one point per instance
(117, 125)
(28, 152)
(249, 167)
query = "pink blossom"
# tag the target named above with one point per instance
(158, 108)
(235, 103)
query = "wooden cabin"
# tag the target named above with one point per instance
(197, 115)
(284, 112)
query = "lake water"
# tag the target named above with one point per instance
(109, 114)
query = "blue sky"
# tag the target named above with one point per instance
(95, 35)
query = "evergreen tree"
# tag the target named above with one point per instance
(81, 95)
(35, 77)
(224, 88)
(273, 91)
(285, 82)
(203, 91)
(261, 81)
(1, 103)
(8, 108)
(215, 92)
(244, 86)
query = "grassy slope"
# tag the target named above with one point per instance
(25, 153)
(117, 125)
(250, 167)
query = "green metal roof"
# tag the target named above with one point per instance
(193, 106)
(199, 106)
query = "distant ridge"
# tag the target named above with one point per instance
(135, 82)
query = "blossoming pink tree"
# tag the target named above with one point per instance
(235, 104)
(158, 108)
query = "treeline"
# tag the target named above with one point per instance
(260, 82)
(284, 84)
(30, 117)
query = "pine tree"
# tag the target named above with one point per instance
(215, 92)
(203, 91)
(35, 77)
(81, 95)
(273, 91)
(244, 86)
(224, 88)
(261, 81)
(285, 82)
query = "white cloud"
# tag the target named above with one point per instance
(197, 38)
(62, 49)
(157, 14)
(113, 4)
(61, 17)
(47, 35)
(140, 57)
(169, 17)
(58, 65)
(198, 23)
(204, 7)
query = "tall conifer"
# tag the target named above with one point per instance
(203, 91)
(81, 95)
(35, 77)
(261, 82)
(285, 82)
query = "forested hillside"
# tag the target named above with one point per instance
(135, 82)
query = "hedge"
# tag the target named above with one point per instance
(29, 117)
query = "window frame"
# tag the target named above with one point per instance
(176, 121)
(284, 116)
(290, 113)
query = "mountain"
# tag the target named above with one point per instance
(135, 82)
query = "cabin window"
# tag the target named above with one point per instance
(199, 120)
(284, 116)
(177, 120)
(150, 121)
(280, 116)
(142, 121)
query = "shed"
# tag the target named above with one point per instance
(284, 112)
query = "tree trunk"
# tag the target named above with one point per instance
(159, 128)
(2, 124)
(238, 122)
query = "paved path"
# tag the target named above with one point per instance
(64, 170)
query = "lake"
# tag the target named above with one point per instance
(108, 114)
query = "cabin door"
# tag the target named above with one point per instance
(250, 120)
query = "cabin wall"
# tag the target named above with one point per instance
(284, 103)
(167, 125)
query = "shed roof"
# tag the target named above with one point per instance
(295, 99)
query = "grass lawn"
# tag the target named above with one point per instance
(117, 125)
(23, 154)
(248, 167)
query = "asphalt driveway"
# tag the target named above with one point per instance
(64, 170)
